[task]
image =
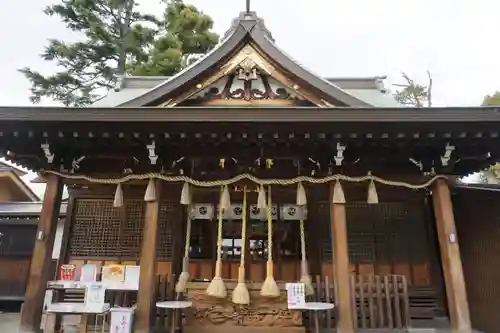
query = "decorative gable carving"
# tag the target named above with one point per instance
(247, 79)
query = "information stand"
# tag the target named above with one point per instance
(296, 295)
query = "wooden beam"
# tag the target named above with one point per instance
(451, 261)
(341, 272)
(31, 312)
(146, 297)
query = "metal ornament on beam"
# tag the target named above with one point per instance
(153, 157)
(48, 154)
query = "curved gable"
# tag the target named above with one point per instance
(248, 29)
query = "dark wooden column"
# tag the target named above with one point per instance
(146, 296)
(41, 259)
(341, 274)
(451, 261)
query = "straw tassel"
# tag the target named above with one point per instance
(261, 198)
(338, 193)
(186, 194)
(270, 287)
(217, 288)
(301, 195)
(305, 278)
(225, 202)
(372, 193)
(240, 293)
(150, 194)
(181, 284)
(118, 202)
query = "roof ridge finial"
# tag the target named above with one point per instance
(248, 6)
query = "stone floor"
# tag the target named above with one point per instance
(9, 323)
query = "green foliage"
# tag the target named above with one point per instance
(413, 94)
(116, 37)
(187, 36)
(493, 170)
(491, 100)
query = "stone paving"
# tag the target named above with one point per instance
(9, 323)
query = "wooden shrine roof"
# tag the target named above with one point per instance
(247, 29)
(384, 135)
(24, 209)
(443, 115)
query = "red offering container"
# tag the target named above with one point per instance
(67, 272)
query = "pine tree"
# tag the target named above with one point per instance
(186, 36)
(413, 94)
(492, 100)
(117, 38)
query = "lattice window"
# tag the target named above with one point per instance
(100, 230)
(96, 229)
(169, 213)
(386, 232)
(133, 230)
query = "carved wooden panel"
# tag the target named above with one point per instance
(262, 312)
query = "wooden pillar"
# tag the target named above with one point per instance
(41, 259)
(146, 296)
(450, 255)
(341, 273)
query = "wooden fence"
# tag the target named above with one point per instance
(377, 302)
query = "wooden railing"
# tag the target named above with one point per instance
(378, 301)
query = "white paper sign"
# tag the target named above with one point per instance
(94, 295)
(132, 276)
(296, 293)
(121, 320)
(89, 273)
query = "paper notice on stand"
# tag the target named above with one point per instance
(113, 273)
(94, 295)
(88, 273)
(296, 293)
(132, 276)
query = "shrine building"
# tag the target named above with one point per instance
(245, 171)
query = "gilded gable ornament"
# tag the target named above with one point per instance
(247, 70)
